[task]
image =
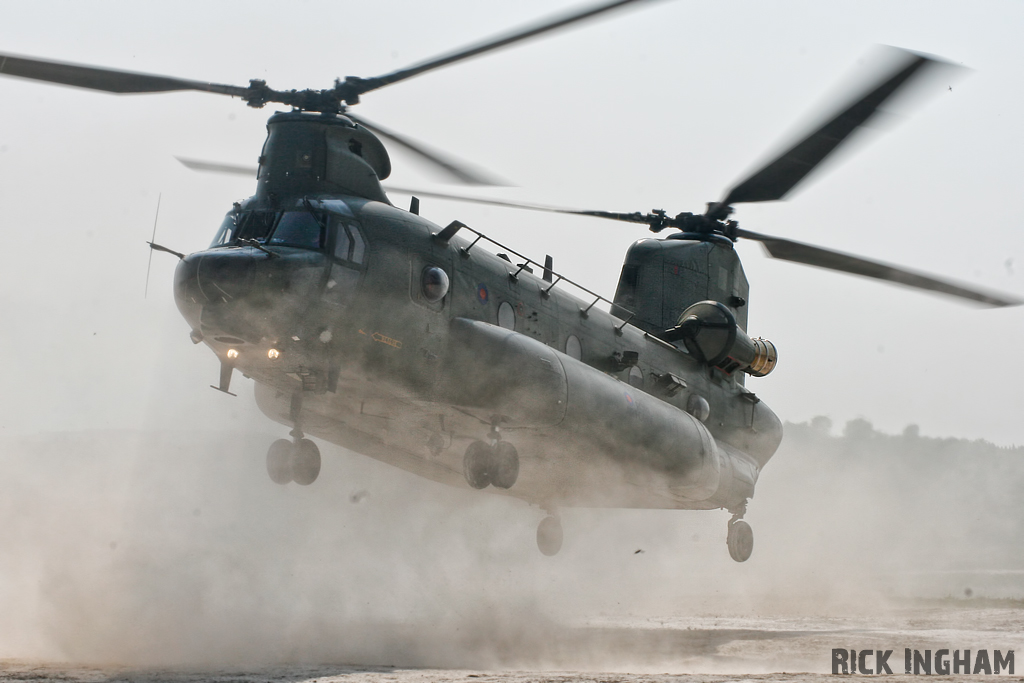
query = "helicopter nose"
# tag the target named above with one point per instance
(225, 274)
(186, 281)
(214, 276)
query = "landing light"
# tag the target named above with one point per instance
(232, 354)
(273, 354)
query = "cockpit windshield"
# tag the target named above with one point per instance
(300, 229)
(256, 225)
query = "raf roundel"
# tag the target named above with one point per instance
(481, 293)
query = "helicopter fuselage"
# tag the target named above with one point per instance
(345, 328)
(375, 329)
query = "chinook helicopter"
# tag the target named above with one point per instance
(368, 326)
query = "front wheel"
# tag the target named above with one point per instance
(306, 462)
(506, 465)
(478, 465)
(279, 461)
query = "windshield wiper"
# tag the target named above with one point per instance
(257, 245)
(316, 216)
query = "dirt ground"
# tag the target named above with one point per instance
(171, 557)
(698, 650)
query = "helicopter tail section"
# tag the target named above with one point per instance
(662, 278)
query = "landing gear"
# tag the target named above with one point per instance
(495, 463)
(477, 465)
(298, 462)
(549, 535)
(740, 538)
(279, 461)
(506, 465)
(305, 462)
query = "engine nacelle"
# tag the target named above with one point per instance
(710, 333)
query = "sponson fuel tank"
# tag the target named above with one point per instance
(527, 384)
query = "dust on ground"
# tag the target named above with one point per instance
(170, 556)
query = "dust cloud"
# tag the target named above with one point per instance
(174, 548)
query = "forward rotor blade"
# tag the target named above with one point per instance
(610, 215)
(368, 84)
(214, 167)
(782, 174)
(798, 252)
(460, 171)
(106, 80)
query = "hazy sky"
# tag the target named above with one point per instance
(659, 107)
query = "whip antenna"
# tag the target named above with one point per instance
(152, 239)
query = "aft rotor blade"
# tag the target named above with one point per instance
(782, 174)
(368, 84)
(610, 215)
(460, 171)
(216, 167)
(106, 80)
(798, 252)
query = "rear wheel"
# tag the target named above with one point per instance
(549, 535)
(740, 540)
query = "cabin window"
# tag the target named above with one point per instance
(434, 282)
(698, 406)
(506, 316)
(573, 348)
(636, 377)
(300, 229)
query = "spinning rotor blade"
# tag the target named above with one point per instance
(214, 167)
(368, 84)
(776, 247)
(107, 80)
(628, 217)
(782, 174)
(798, 252)
(460, 171)
(328, 101)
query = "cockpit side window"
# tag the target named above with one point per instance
(358, 245)
(342, 239)
(349, 255)
(299, 229)
(349, 244)
(226, 232)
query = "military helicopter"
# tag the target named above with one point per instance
(370, 327)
